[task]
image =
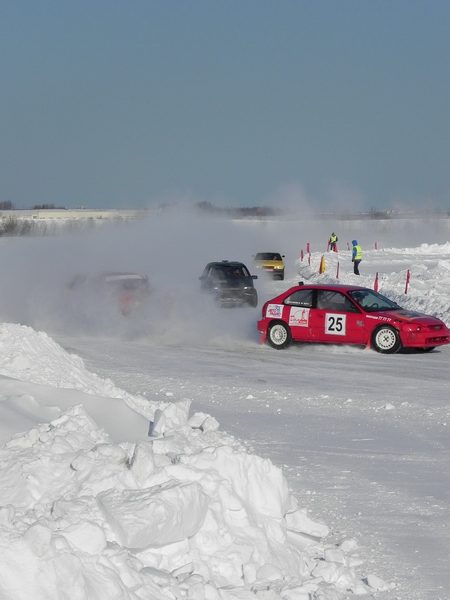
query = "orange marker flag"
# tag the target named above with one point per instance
(322, 265)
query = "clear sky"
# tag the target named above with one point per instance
(130, 103)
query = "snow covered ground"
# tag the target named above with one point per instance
(172, 456)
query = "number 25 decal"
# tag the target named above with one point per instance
(335, 324)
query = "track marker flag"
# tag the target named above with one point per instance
(407, 281)
(322, 265)
(337, 270)
(301, 254)
(375, 284)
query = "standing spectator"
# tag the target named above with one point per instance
(356, 257)
(332, 242)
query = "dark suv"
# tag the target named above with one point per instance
(230, 283)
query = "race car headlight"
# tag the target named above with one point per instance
(413, 328)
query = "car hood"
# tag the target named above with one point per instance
(406, 315)
(268, 263)
(236, 284)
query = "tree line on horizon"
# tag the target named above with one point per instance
(11, 225)
(249, 211)
(8, 205)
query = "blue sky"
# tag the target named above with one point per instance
(330, 104)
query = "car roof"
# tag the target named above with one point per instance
(223, 263)
(338, 287)
(120, 276)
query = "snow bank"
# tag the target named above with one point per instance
(29, 355)
(185, 512)
(428, 284)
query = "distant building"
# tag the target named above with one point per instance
(72, 214)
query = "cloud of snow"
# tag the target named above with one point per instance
(172, 248)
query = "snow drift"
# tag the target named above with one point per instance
(185, 512)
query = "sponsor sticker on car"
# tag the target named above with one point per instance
(275, 311)
(298, 317)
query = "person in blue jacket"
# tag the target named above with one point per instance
(356, 256)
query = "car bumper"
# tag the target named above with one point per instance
(234, 300)
(235, 297)
(424, 338)
(272, 271)
(262, 328)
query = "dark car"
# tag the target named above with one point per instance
(347, 314)
(230, 283)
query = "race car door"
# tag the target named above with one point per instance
(336, 319)
(298, 314)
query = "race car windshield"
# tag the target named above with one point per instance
(268, 256)
(233, 271)
(126, 283)
(132, 284)
(371, 301)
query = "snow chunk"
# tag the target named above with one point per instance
(157, 516)
(257, 482)
(86, 536)
(171, 417)
(377, 584)
(142, 463)
(203, 422)
(298, 521)
(348, 544)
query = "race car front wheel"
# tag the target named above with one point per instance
(253, 300)
(279, 335)
(385, 339)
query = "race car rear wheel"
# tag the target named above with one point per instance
(279, 335)
(385, 339)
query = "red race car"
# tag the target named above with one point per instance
(347, 314)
